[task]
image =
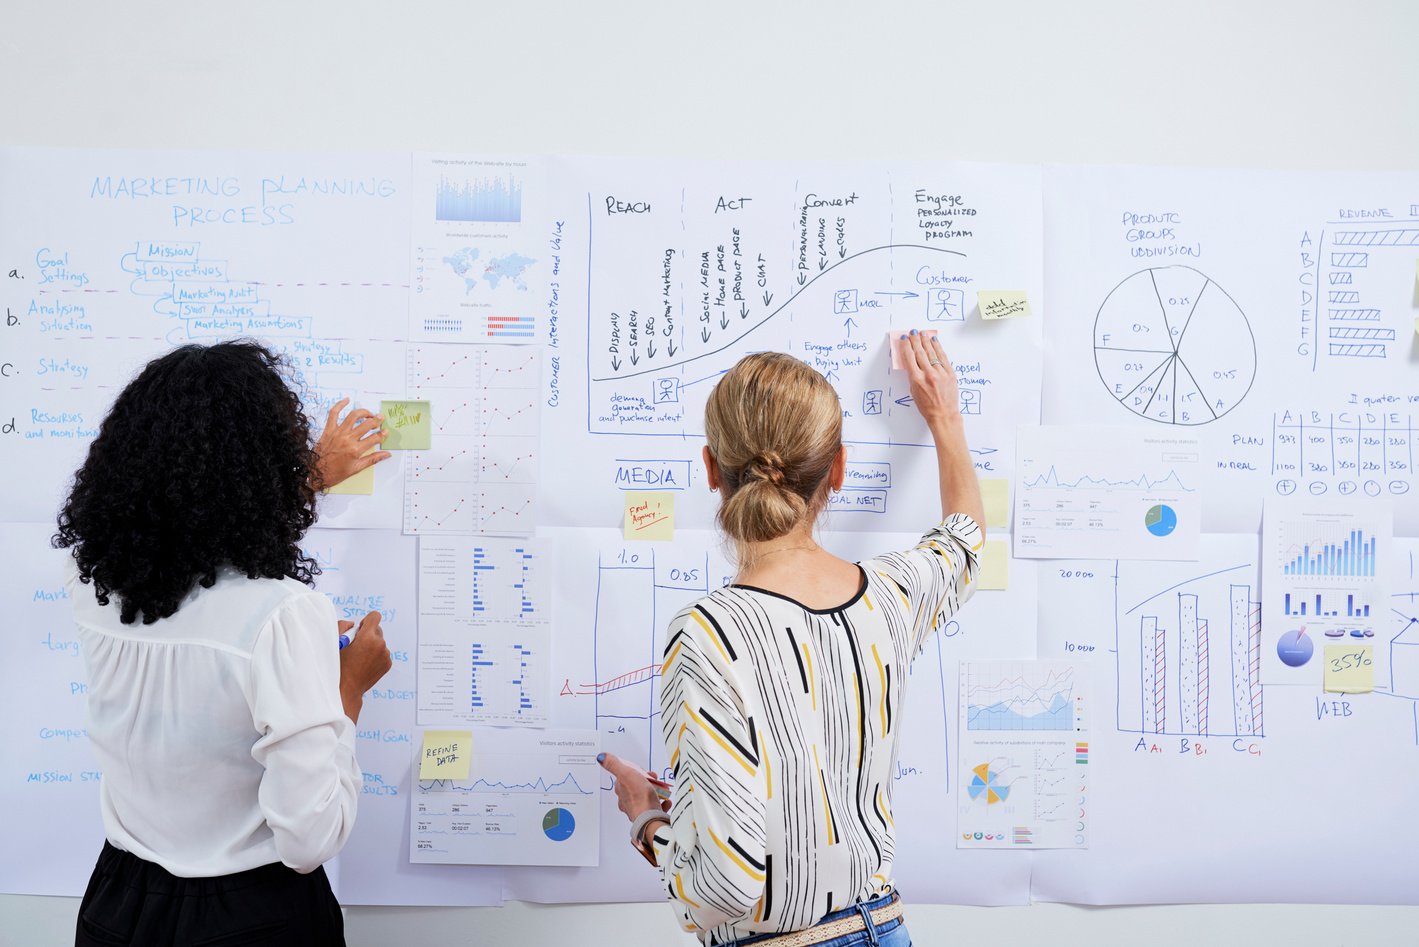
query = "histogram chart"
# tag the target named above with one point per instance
(483, 199)
(480, 474)
(1101, 492)
(529, 799)
(1024, 755)
(1328, 571)
(1355, 557)
(484, 637)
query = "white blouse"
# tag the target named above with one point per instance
(219, 730)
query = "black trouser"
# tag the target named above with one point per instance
(134, 902)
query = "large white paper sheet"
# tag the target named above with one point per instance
(1284, 300)
(670, 272)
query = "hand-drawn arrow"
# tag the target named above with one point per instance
(906, 295)
(771, 313)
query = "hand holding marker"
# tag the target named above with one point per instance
(347, 633)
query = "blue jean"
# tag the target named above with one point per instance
(890, 934)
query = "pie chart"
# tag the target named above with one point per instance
(1160, 520)
(986, 783)
(558, 824)
(1171, 346)
(1294, 648)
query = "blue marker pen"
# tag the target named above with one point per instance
(346, 638)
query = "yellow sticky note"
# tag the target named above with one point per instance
(649, 515)
(446, 754)
(408, 424)
(994, 565)
(360, 484)
(1002, 303)
(898, 345)
(995, 492)
(1349, 669)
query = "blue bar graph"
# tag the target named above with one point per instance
(1354, 558)
(1351, 609)
(488, 200)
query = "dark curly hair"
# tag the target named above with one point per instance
(205, 460)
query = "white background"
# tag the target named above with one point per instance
(1295, 84)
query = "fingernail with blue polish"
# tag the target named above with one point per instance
(904, 337)
(600, 757)
(913, 332)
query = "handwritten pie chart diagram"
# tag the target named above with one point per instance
(1160, 519)
(1295, 648)
(985, 783)
(1171, 346)
(558, 824)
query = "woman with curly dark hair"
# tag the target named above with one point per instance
(222, 708)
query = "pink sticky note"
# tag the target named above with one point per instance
(895, 342)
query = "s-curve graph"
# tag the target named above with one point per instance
(1024, 758)
(480, 474)
(529, 799)
(1173, 347)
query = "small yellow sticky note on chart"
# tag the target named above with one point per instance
(356, 485)
(649, 515)
(995, 492)
(408, 424)
(900, 346)
(1002, 303)
(994, 565)
(1349, 669)
(446, 754)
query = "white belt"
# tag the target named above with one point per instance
(821, 933)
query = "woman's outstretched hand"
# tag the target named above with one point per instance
(347, 446)
(933, 380)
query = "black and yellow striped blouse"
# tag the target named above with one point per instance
(781, 722)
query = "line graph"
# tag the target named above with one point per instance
(540, 786)
(1050, 478)
(481, 474)
(1017, 701)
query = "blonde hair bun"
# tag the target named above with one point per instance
(774, 427)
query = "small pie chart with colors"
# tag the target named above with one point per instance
(558, 824)
(1294, 648)
(986, 783)
(1160, 519)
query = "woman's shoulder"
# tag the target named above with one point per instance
(232, 611)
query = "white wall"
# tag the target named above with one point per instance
(1292, 84)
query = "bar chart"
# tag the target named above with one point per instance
(1354, 557)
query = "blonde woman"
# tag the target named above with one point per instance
(781, 694)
